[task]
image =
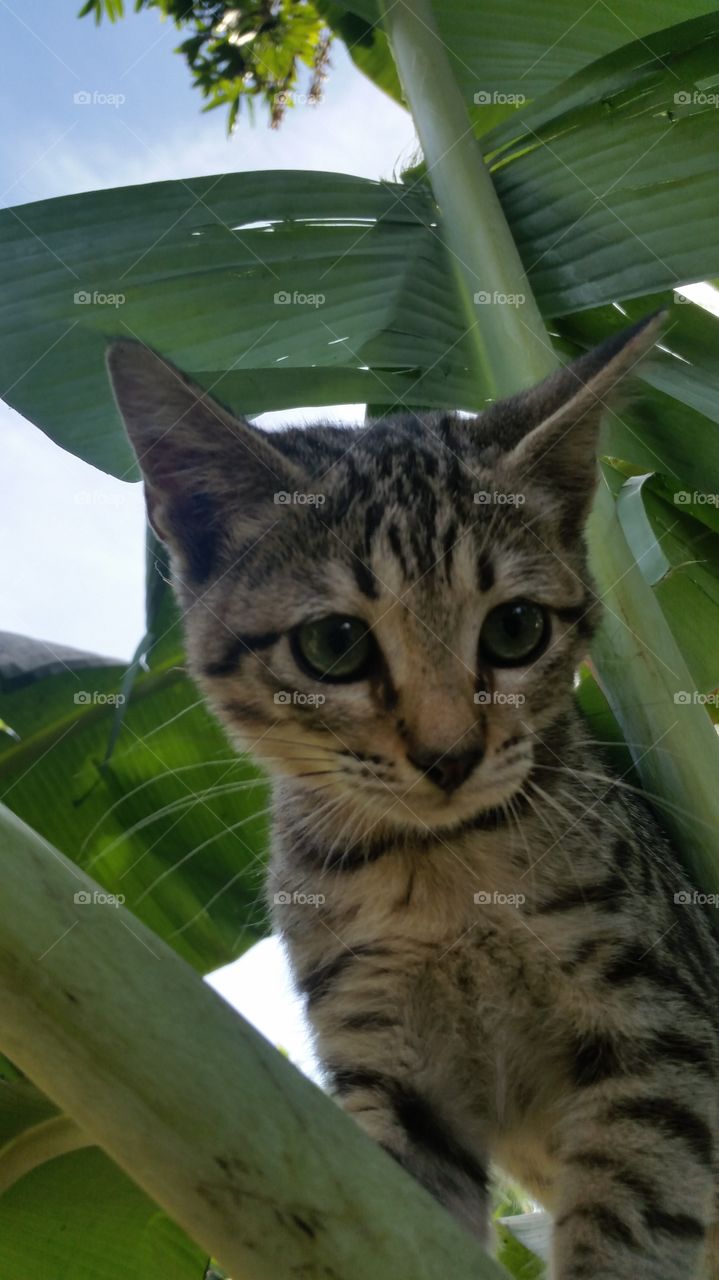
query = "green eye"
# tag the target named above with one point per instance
(334, 648)
(513, 633)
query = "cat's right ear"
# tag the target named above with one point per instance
(202, 466)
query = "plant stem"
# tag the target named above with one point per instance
(35, 1146)
(642, 670)
(481, 250)
(250, 1158)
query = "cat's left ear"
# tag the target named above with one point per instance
(207, 473)
(560, 453)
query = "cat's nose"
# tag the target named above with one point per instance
(447, 771)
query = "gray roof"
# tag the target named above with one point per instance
(23, 659)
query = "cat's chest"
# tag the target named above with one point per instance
(446, 924)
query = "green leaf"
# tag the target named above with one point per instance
(79, 1217)
(509, 46)
(603, 724)
(21, 1107)
(609, 183)
(175, 822)
(679, 558)
(195, 270)
(516, 1258)
(195, 266)
(673, 426)
(366, 44)
(523, 1236)
(646, 546)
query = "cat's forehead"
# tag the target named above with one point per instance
(418, 466)
(404, 453)
(428, 479)
(405, 505)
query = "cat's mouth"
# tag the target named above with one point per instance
(479, 801)
(367, 796)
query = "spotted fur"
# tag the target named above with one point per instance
(483, 919)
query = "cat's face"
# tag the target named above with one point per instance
(410, 647)
(392, 615)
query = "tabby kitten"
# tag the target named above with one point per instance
(491, 932)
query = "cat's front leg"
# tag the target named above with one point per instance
(415, 1126)
(636, 1190)
(389, 1063)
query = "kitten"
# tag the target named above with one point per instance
(484, 923)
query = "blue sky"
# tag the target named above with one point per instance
(77, 575)
(57, 146)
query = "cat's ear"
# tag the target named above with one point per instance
(559, 450)
(199, 462)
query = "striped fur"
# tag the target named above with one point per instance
(505, 969)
